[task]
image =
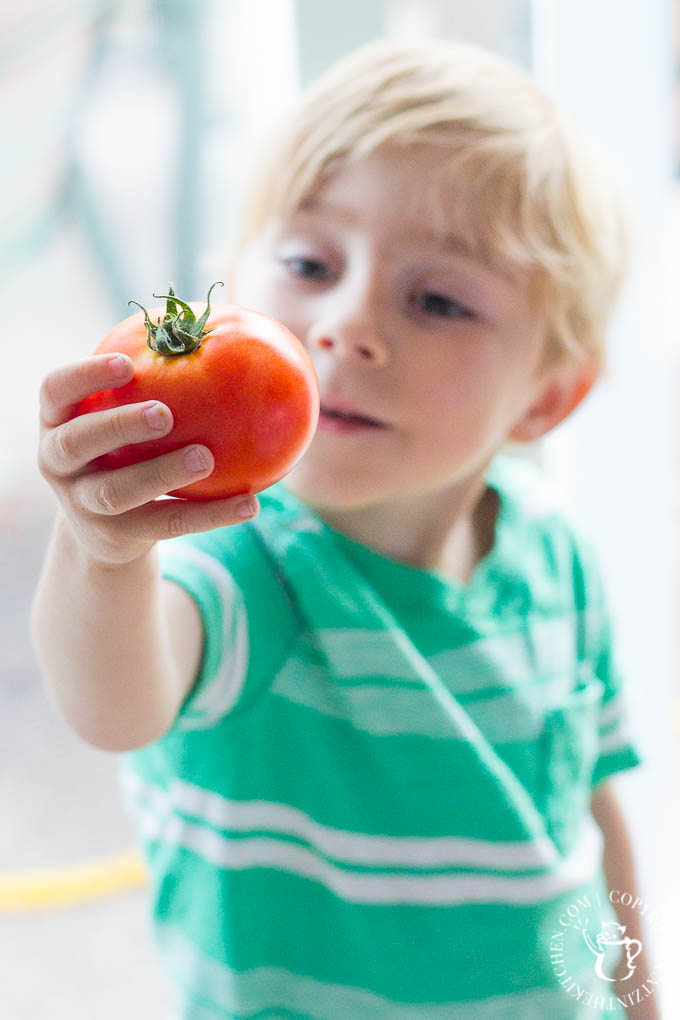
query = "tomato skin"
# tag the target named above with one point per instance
(249, 393)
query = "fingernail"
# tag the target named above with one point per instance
(155, 417)
(248, 507)
(119, 366)
(196, 460)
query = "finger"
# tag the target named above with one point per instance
(168, 518)
(122, 537)
(65, 386)
(67, 449)
(122, 489)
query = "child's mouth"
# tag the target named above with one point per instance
(337, 420)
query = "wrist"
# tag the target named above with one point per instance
(97, 551)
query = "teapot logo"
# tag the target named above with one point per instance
(606, 946)
(614, 956)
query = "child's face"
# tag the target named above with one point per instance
(438, 350)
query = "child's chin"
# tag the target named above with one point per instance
(331, 491)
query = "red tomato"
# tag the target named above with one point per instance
(247, 390)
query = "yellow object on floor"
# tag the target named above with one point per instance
(41, 888)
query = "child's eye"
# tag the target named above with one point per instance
(307, 268)
(440, 305)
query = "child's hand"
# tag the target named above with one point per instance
(115, 514)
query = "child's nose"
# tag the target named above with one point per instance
(355, 340)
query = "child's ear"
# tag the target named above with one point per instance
(563, 389)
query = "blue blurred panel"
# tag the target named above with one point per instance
(182, 25)
(326, 31)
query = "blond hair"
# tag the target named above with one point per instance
(536, 190)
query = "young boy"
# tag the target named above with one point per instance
(369, 730)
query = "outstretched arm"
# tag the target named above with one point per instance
(118, 646)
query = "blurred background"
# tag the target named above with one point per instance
(128, 127)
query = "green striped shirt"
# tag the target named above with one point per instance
(374, 802)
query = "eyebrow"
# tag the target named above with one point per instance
(457, 244)
(460, 245)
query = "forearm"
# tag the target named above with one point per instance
(101, 640)
(645, 984)
(622, 883)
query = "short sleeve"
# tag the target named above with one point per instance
(224, 660)
(617, 750)
(247, 623)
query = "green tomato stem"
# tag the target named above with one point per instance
(180, 332)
